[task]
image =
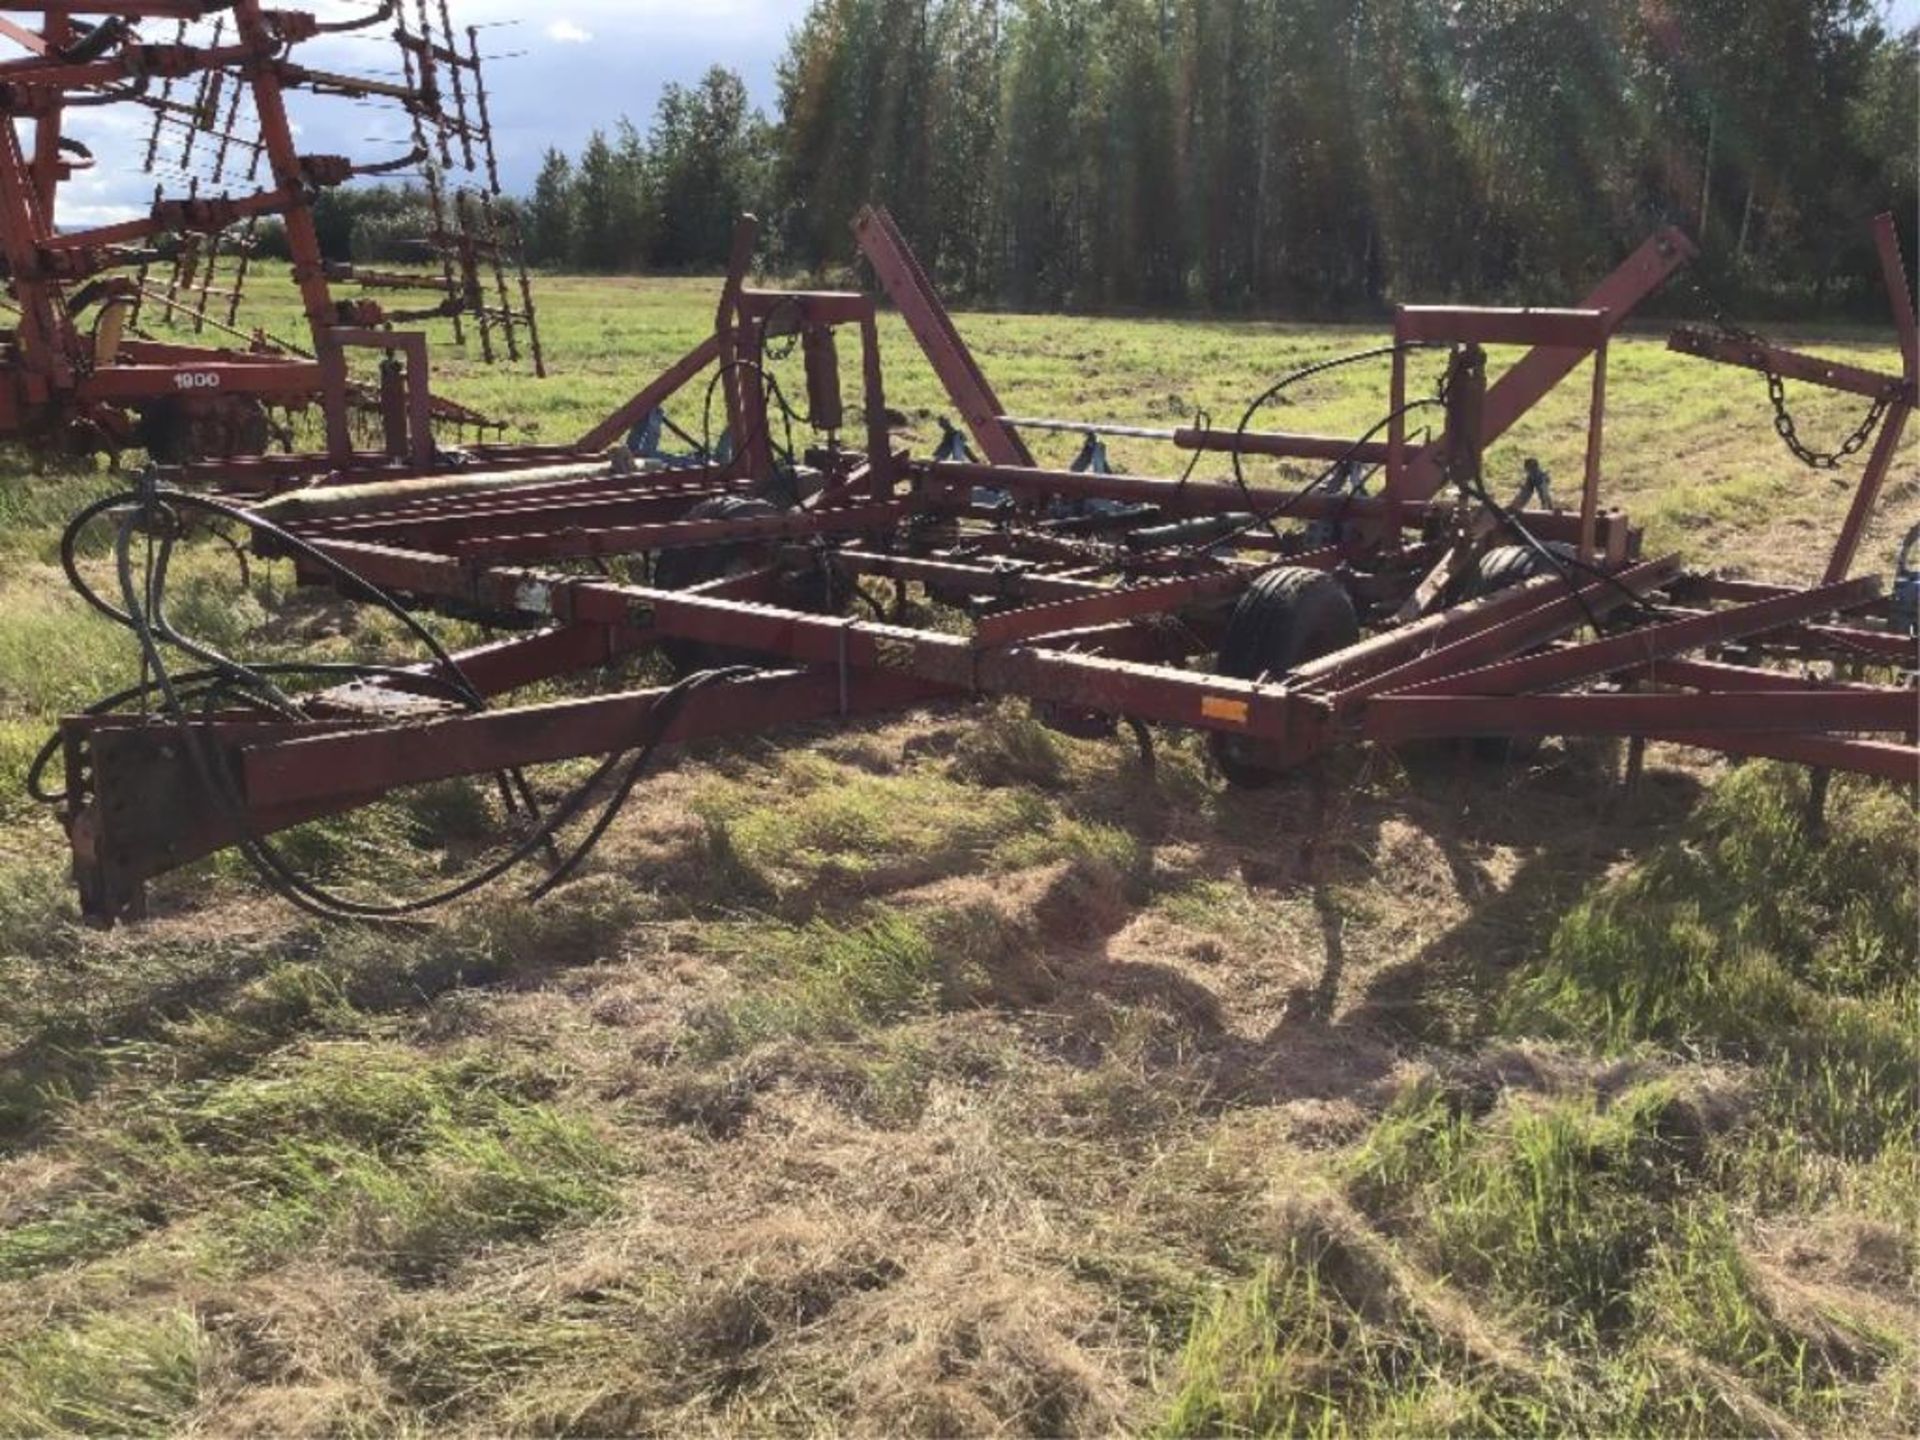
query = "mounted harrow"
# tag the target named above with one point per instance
(1281, 622)
(109, 348)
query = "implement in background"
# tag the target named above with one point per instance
(132, 334)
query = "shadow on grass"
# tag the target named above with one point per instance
(1572, 823)
(1095, 827)
(1303, 859)
(94, 1005)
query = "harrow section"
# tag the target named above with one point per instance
(1278, 621)
(134, 334)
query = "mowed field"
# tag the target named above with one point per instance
(942, 1075)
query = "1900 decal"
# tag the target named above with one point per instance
(197, 380)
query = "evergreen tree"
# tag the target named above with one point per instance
(549, 228)
(599, 243)
(1316, 156)
(705, 171)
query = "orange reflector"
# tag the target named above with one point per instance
(1219, 707)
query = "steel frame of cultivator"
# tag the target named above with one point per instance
(78, 372)
(1100, 598)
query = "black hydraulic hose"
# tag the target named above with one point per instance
(281, 537)
(142, 611)
(194, 682)
(1285, 382)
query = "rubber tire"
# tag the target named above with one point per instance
(174, 433)
(1501, 569)
(684, 568)
(697, 564)
(1287, 617)
(1509, 565)
(165, 432)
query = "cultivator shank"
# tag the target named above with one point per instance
(1281, 622)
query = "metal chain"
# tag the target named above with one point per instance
(1783, 422)
(1817, 459)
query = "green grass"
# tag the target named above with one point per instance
(827, 982)
(1750, 941)
(950, 1076)
(844, 828)
(1553, 1209)
(107, 1375)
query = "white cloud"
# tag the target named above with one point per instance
(608, 57)
(83, 215)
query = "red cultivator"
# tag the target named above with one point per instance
(1280, 622)
(99, 359)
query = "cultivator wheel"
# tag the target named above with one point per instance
(1505, 566)
(1502, 568)
(1287, 617)
(177, 430)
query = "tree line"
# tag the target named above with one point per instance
(1317, 157)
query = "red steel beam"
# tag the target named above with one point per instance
(1644, 645)
(913, 295)
(1867, 497)
(145, 382)
(1149, 644)
(524, 660)
(403, 504)
(287, 772)
(1893, 274)
(262, 474)
(1882, 647)
(1156, 693)
(796, 309)
(1011, 626)
(1719, 675)
(955, 480)
(1754, 354)
(1552, 614)
(656, 393)
(1539, 370)
(1282, 444)
(503, 511)
(283, 157)
(626, 539)
(1408, 717)
(991, 580)
(1377, 653)
(46, 340)
(31, 40)
(726, 329)
(139, 9)
(1845, 641)
(1485, 325)
(447, 532)
(1879, 759)
(179, 61)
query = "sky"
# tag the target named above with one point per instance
(584, 65)
(556, 71)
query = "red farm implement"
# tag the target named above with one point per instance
(129, 334)
(1279, 621)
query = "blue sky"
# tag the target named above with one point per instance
(559, 70)
(577, 65)
(588, 62)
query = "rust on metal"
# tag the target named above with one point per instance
(1095, 596)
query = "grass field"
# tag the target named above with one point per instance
(942, 1075)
